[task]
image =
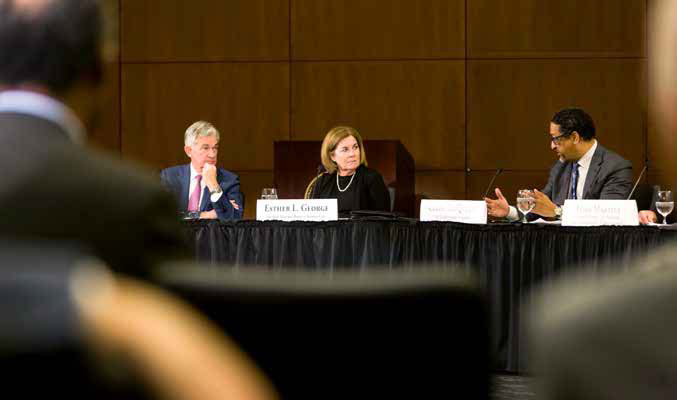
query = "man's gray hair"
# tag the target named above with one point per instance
(199, 129)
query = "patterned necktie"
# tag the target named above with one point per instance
(194, 201)
(574, 182)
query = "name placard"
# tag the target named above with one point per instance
(297, 210)
(599, 212)
(466, 211)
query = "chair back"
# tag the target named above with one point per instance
(414, 333)
(310, 187)
(44, 352)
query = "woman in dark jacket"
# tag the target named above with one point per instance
(348, 178)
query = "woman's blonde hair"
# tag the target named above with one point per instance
(333, 137)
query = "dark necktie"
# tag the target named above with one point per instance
(574, 182)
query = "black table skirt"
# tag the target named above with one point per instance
(508, 259)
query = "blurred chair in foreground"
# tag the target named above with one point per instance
(401, 333)
(69, 328)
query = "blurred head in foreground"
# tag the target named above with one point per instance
(57, 48)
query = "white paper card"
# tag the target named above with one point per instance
(599, 212)
(297, 210)
(466, 211)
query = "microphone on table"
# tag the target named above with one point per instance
(319, 171)
(637, 183)
(498, 172)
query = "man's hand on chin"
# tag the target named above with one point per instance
(209, 175)
(544, 206)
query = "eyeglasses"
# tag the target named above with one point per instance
(558, 139)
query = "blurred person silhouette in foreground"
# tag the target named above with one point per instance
(50, 77)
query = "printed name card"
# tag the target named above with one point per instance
(599, 212)
(297, 210)
(466, 211)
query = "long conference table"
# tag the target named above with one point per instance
(509, 260)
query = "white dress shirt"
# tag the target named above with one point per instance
(583, 168)
(193, 173)
(42, 106)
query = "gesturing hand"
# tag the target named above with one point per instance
(544, 206)
(498, 208)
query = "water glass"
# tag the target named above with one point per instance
(664, 203)
(269, 194)
(525, 202)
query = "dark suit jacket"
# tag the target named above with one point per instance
(177, 180)
(609, 177)
(52, 188)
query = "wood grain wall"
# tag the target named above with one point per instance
(466, 85)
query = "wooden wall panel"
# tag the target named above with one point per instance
(105, 132)
(251, 184)
(508, 181)
(556, 28)
(205, 30)
(661, 148)
(441, 184)
(377, 29)
(394, 69)
(665, 179)
(661, 145)
(248, 103)
(510, 104)
(420, 103)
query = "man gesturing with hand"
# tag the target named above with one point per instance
(584, 170)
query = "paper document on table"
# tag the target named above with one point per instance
(542, 221)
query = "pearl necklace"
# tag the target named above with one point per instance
(337, 182)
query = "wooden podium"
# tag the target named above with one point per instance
(296, 164)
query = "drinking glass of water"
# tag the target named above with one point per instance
(664, 203)
(525, 202)
(269, 194)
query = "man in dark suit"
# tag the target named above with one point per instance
(52, 187)
(200, 187)
(584, 170)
